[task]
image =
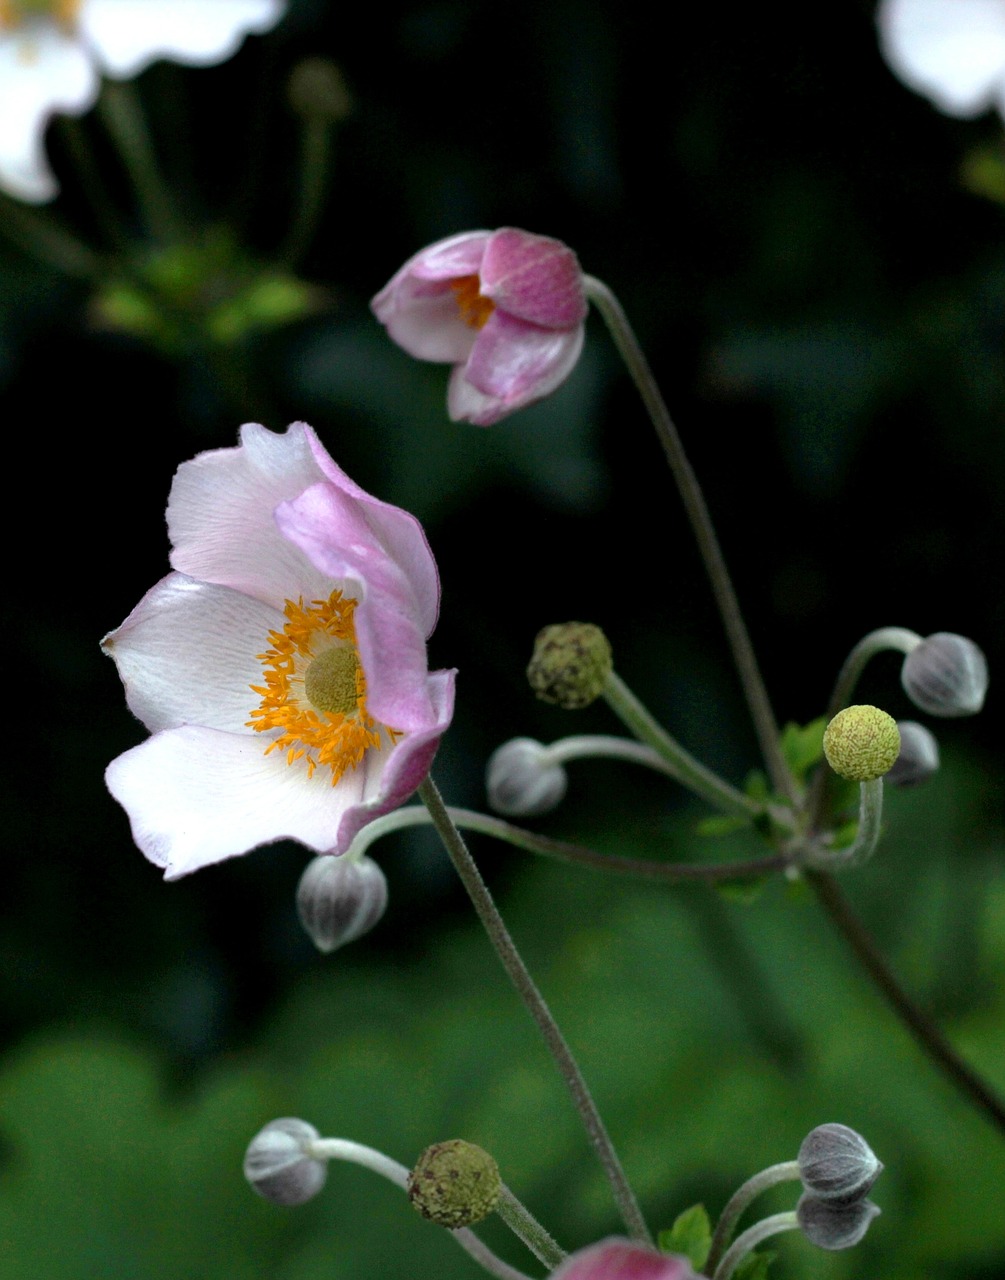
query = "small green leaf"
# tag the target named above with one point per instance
(756, 786)
(691, 1235)
(803, 746)
(744, 889)
(754, 1266)
(720, 825)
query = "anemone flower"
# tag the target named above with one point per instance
(617, 1259)
(505, 308)
(53, 54)
(281, 669)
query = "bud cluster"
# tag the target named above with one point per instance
(837, 1168)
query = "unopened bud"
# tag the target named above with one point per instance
(521, 781)
(454, 1184)
(317, 90)
(339, 899)
(946, 675)
(861, 743)
(834, 1224)
(919, 755)
(571, 662)
(836, 1163)
(277, 1164)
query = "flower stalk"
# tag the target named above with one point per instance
(787, 1171)
(535, 1003)
(123, 116)
(751, 1238)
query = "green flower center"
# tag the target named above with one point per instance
(330, 682)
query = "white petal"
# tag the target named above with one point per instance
(42, 71)
(186, 655)
(197, 796)
(953, 51)
(220, 516)
(127, 35)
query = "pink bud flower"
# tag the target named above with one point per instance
(616, 1259)
(505, 308)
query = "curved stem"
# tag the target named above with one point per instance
(522, 1223)
(123, 116)
(377, 1162)
(751, 1238)
(601, 746)
(788, 1171)
(870, 821)
(506, 950)
(680, 763)
(866, 649)
(763, 717)
(564, 851)
(925, 1032)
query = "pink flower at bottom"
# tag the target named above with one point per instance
(281, 669)
(505, 308)
(616, 1259)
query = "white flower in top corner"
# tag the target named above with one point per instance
(952, 51)
(53, 54)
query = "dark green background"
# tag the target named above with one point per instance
(820, 296)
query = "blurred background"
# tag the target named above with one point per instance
(815, 262)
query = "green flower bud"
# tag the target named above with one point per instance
(946, 675)
(919, 755)
(571, 661)
(836, 1163)
(861, 743)
(834, 1224)
(339, 899)
(521, 781)
(454, 1184)
(278, 1166)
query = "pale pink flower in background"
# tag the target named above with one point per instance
(952, 51)
(281, 669)
(53, 54)
(616, 1259)
(505, 308)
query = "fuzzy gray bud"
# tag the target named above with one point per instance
(521, 781)
(836, 1163)
(946, 675)
(834, 1224)
(277, 1164)
(454, 1183)
(570, 664)
(919, 755)
(339, 899)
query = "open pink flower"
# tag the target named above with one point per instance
(282, 668)
(505, 308)
(952, 51)
(616, 1259)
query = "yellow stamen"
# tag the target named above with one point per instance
(474, 309)
(14, 12)
(314, 695)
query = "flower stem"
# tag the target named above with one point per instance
(377, 1162)
(870, 820)
(506, 950)
(925, 1032)
(124, 119)
(522, 1223)
(314, 168)
(751, 1189)
(867, 648)
(42, 238)
(751, 1238)
(564, 851)
(680, 763)
(624, 338)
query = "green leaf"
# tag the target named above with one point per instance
(691, 1235)
(756, 786)
(803, 746)
(744, 889)
(720, 825)
(754, 1266)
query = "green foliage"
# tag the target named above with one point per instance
(755, 1266)
(691, 1235)
(803, 746)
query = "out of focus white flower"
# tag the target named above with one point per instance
(53, 54)
(952, 51)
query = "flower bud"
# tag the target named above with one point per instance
(520, 780)
(454, 1184)
(339, 899)
(919, 755)
(861, 743)
(946, 675)
(836, 1163)
(570, 664)
(834, 1224)
(277, 1164)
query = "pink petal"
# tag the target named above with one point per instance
(534, 278)
(952, 51)
(186, 654)
(127, 35)
(220, 515)
(331, 529)
(459, 255)
(425, 321)
(615, 1259)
